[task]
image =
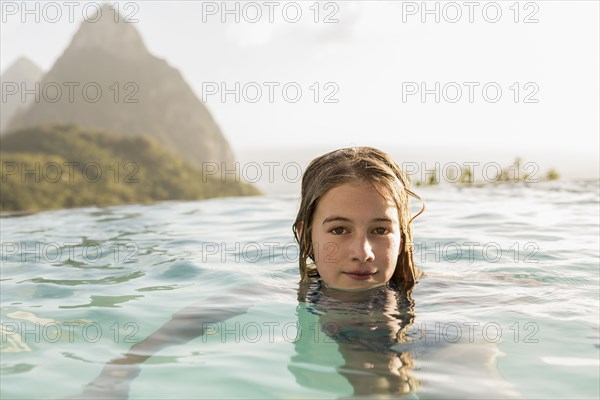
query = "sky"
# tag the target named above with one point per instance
(485, 81)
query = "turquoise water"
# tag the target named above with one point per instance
(509, 307)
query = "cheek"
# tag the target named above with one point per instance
(391, 248)
(318, 245)
(327, 250)
(391, 259)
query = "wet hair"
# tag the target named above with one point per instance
(356, 165)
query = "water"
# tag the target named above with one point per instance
(509, 307)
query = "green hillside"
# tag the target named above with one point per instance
(58, 166)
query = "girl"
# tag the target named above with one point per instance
(354, 221)
(355, 227)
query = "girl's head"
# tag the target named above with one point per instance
(354, 221)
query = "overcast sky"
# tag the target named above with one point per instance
(372, 58)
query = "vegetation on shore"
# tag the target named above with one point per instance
(517, 172)
(61, 166)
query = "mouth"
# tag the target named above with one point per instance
(359, 275)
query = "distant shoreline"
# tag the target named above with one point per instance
(22, 213)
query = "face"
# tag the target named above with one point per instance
(356, 237)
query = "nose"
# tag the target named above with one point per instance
(361, 249)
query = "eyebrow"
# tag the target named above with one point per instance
(344, 219)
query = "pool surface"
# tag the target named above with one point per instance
(509, 307)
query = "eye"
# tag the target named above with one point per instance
(338, 230)
(381, 231)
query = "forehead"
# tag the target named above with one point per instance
(357, 201)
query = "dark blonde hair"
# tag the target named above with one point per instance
(351, 165)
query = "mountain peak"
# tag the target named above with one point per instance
(22, 71)
(109, 32)
(23, 66)
(143, 94)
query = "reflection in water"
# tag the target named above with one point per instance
(364, 325)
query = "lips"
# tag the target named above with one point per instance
(359, 275)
